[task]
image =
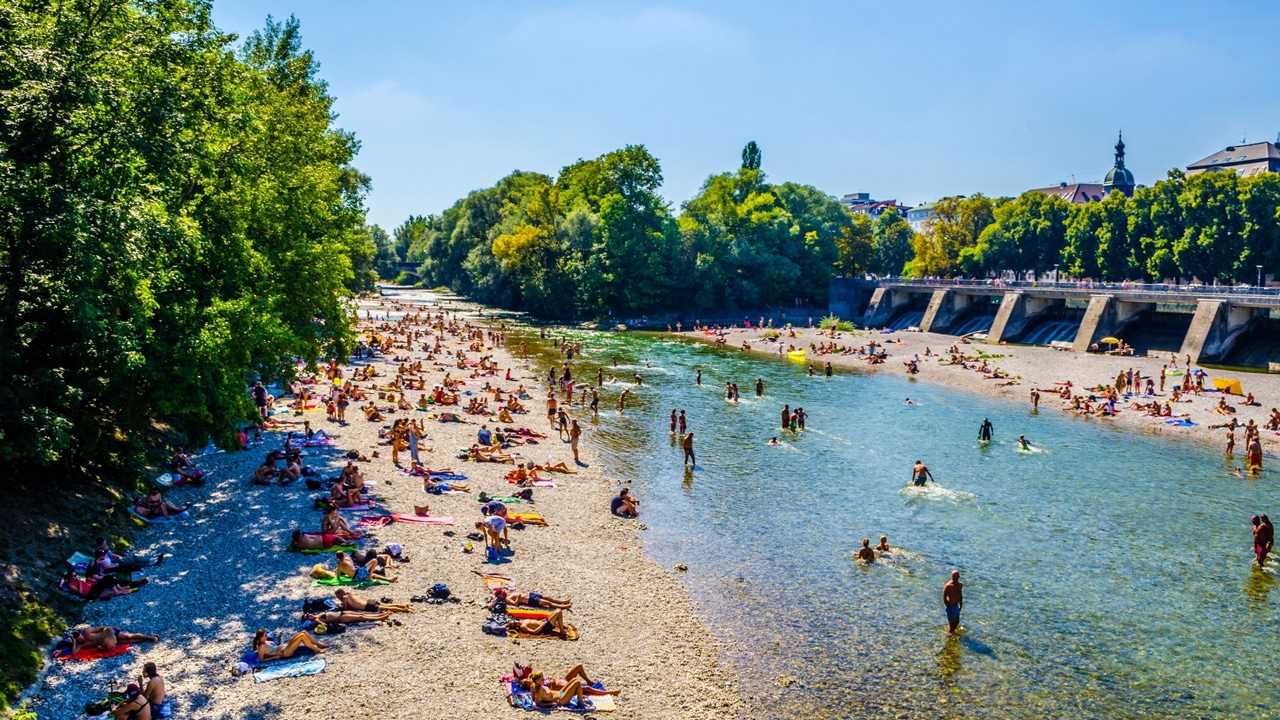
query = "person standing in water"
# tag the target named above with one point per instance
(865, 553)
(1023, 443)
(786, 416)
(828, 369)
(622, 399)
(1035, 399)
(759, 387)
(600, 377)
(1263, 537)
(699, 377)
(953, 600)
(673, 421)
(984, 431)
(687, 444)
(683, 425)
(920, 474)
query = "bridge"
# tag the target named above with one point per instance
(1232, 325)
(409, 268)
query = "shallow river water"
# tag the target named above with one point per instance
(1107, 574)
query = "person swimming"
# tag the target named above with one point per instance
(883, 547)
(774, 440)
(909, 402)
(1023, 442)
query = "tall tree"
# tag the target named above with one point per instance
(751, 156)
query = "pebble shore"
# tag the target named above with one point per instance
(229, 574)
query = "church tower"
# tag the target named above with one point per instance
(1119, 177)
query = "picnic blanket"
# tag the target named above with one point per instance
(293, 667)
(422, 519)
(346, 582)
(63, 652)
(79, 560)
(523, 699)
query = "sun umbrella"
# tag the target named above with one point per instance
(1199, 372)
(1111, 340)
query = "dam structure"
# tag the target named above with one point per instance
(1238, 326)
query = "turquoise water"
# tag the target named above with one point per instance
(1108, 575)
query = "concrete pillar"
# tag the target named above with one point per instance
(1215, 328)
(879, 309)
(1098, 319)
(936, 311)
(1009, 318)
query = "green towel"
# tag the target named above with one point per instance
(504, 500)
(344, 580)
(334, 549)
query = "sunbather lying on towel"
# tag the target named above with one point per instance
(345, 617)
(492, 453)
(559, 467)
(531, 599)
(432, 486)
(351, 601)
(153, 507)
(375, 568)
(556, 692)
(553, 625)
(268, 650)
(576, 674)
(103, 637)
(313, 541)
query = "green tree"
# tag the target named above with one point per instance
(856, 252)
(891, 238)
(751, 156)
(957, 224)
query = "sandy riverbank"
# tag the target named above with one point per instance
(229, 574)
(1037, 367)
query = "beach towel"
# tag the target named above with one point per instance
(493, 580)
(527, 518)
(63, 653)
(422, 520)
(345, 581)
(376, 521)
(570, 633)
(528, 613)
(512, 500)
(523, 699)
(79, 560)
(293, 667)
(330, 550)
(138, 518)
(165, 480)
(446, 477)
(1180, 422)
(315, 443)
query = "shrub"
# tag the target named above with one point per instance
(842, 325)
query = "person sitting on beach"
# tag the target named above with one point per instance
(134, 706)
(268, 650)
(153, 688)
(103, 637)
(531, 599)
(1223, 408)
(623, 505)
(552, 625)
(334, 524)
(350, 601)
(371, 412)
(153, 507)
(865, 553)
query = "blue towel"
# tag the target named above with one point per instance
(293, 667)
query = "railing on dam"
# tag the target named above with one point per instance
(1156, 292)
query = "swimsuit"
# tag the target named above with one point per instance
(953, 612)
(535, 600)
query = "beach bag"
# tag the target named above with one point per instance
(492, 627)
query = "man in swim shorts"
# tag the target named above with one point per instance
(920, 474)
(1263, 537)
(953, 600)
(865, 553)
(687, 444)
(532, 599)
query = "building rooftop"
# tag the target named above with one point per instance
(1075, 193)
(1245, 159)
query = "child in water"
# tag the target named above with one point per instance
(1022, 441)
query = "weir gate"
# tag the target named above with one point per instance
(1224, 325)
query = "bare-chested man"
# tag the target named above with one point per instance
(920, 474)
(865, 553)
(953, 600)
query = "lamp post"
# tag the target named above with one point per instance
(1055, 273)
(1259, 276)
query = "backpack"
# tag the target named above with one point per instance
(495, 628)
(439, 591)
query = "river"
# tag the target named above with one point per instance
(1108, 574)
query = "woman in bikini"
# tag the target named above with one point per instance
(345, 617)
(553, 625)
(268, 650)
(106, 638)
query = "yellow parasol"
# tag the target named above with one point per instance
(1110, 340)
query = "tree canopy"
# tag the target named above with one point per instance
(176, 213)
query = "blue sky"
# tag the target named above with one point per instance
(905, 100)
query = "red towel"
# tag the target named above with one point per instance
(93, 653)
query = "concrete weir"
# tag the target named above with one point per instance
(1205, 322)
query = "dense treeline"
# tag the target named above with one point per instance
(177, 213)
(1214, 227)
(598, 239)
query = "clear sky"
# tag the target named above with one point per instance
(905, 100)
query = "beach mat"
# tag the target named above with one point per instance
(421, 520)
(493, 581)
(86, 654)
(527, 518)
(294, 667)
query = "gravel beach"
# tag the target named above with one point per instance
(229, 574)
(1037, 367)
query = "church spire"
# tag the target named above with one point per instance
(1120, 151)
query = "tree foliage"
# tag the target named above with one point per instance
(173, 214)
